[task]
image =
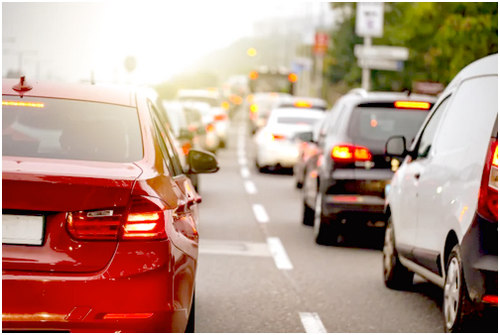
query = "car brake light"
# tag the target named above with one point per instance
(143, 220)
(302, 104)
(185, 148)
(491, 299)
(210, 128)
(272, 137)
(23, 104)
(225, 105)
(348, 153)
(220, 117)
(412, 104)
(253, 75)
(488, 193)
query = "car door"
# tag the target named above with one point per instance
(405, 213)
(449, 185)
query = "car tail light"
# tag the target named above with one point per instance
(210, 128)
(95, 225)
(292, 77)
(253, 75)
(220, 117)
(273, 137)
(412, 104)
(185, 148)
(225, 105)
(348, 153)
(491, 299)
(143, 220)
(488, 193)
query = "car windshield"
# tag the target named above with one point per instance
(70, 129)
(378, 124)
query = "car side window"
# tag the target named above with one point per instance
(171, 158)
(425, 141)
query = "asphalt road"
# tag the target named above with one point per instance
(260, 270)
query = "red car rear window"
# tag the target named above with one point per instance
(70, 129)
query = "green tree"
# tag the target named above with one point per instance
(442, 38)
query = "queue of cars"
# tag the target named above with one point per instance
(425, 169)
(93, 183)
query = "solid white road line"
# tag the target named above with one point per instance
(312, 323)
(245, 172)
(279, 254)
(260, 213)
(250, 187)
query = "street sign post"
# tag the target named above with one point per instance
(381, 52)
(381, 64)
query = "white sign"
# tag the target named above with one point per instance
(381, 52)
(370, 19)
(381, 64)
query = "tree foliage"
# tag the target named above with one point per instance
(443, 37)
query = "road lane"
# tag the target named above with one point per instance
(340, 286)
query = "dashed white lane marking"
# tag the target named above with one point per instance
(245, 172)
(250, 187)
(260, 213)
(312, 323)
(242, 161)
(279, 254)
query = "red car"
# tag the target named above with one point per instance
(99, 221)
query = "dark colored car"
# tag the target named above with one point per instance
(99, 220)
(348, 175)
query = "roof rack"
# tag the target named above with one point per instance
(359, 91)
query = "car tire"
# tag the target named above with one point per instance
(299, 185)
(396, 276)
(191, 321)
(308, 217)
(458, 309)
(323, 229)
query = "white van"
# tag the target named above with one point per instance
(442, 207)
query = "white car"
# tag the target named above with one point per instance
(442, 205)
(208, 136)
(275, 143)
(218, 109)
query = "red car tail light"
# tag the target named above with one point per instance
(220, 117)
(491, 299)
(210, 128)
(272, 137)
(348, 153)
(185, 148)
(488, 193)
(144, 220)
(95, 225)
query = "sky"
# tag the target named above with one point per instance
(69, 41)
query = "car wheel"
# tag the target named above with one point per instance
(308, 217)
(457, 306)
(396, 276)
(323, 232)
(190, 324)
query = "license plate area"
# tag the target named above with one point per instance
(22, 229)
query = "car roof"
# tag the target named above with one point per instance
(84, 92)
(482, 67)
(297, 111)
(204, 93)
